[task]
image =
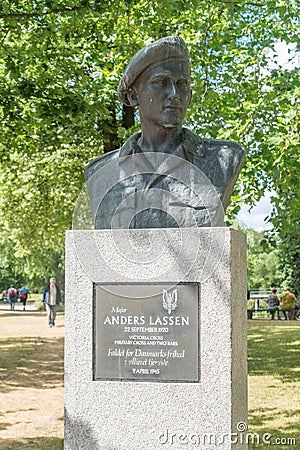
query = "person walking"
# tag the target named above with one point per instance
(273, 303)
(13, 296)
(288, 301)
(52, 298)
(23, 294)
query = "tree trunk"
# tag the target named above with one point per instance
(128, 116)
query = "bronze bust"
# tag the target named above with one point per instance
(166, 176)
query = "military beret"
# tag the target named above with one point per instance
(165, 48)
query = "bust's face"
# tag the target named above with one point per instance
(163, 93)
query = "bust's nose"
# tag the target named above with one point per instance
(173, 90)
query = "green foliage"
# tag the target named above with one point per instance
(263, 268)
(273, 259)
(263, 259)
(60, 64)
(289, 253)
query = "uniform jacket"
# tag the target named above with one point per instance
(189, 187)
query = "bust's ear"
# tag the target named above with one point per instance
(132, 97)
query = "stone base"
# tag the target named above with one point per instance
(147, 415)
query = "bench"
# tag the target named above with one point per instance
(250, 312)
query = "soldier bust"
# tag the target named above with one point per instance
(165, 176)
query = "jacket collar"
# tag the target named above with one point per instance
(191, 145)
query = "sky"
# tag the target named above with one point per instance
(256, 217)
(285, 56)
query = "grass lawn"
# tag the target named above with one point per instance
(31, 382)
(32, 444)
(274, 382)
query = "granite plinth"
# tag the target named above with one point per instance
(158, 414)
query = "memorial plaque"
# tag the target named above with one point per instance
(146, 332)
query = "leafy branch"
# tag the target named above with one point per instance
(68, 9)
(233, 2)
(45, 13)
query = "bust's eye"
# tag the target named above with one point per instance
(183, 84)
(161, 81)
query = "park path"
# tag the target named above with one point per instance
(31, 377)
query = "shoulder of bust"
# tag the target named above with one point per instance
(100, 162)
(199, 146)
(127, 148)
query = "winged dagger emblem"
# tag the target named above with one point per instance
(170, 300)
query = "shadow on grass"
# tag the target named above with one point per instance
(32, 444)
(260, 417)
(21, 313)
(268, 437)
(27, 313)
(32, 362)
(274, 350)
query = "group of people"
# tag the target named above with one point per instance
(12, 294)
(285, 303)
(51, 298)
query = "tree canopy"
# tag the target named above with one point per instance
(60, 64)
(263, 261)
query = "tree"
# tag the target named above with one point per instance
(263, 260)
(60, 64)
(289, 254)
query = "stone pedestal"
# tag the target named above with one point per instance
(201, 411)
